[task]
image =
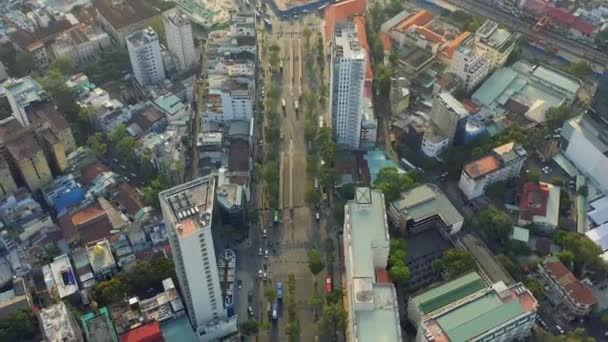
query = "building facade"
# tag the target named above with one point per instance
(576, 298)
(145, 57)
(470, 66)
(178, 30)
(347, 82)
(504, 162)
(188, 213)
(448, 115)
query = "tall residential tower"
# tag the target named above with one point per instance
(347, 84)
(146, 60)
(188, 213)
(179, 38)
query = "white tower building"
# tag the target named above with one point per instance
(146, 60)
(347, 82)
(178, 30)
(188, 213)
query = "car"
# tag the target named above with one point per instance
(266, 253)
(328, 286)
(250, 311)
(317, 216)
(265, 275)
(275, 314)
(264, 233)
(260, 251)
(260, 273)
(541, 322)
(239, 282)
(559, 329)
(250, 296)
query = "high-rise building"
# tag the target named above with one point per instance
(470, 66)
(449, 115)
(21, 94)
(178, 30)
(188, 213)
(146, 60)
(347, 85)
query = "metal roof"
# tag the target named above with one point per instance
(449, 292)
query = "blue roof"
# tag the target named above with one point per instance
(69, 199)
(376, 161)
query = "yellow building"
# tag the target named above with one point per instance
(28, 160)
(7, 183)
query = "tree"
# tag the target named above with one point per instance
(392, 183)
(508, 264)
(327, 177)
(315, 262)
(556, 116)
(533, 176)
(64, 65)
(566, 257)
(495, 224)
(250, 327)
(516, 248)
(24, 64)
(347, 191)
(110, 291)
(97, 145)
(151, 192)
(580, 69)
(126, 146)
(397, 267)
(383, 81)
(455, 261)
(585, 251)
(110, 66)
(578, 335)
(535, 287)
(21, 325)
(332, 320)
(556, 181)
(270, 294)
(118, 133)
(460, 94)
(312, 196)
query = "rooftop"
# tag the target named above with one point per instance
(540, 203)
(499, 157)
(426, 201)
(63, 276)
(449, 292)
(25, 147)
(568, 281)
(475, 317)
(143, 37)
(490, 33)
(149, 332)
(57, 324)
(599, 235)
(341, 11)
(485, 259)
(188, 207)
(124, 13)
(98, 326)
(100, 255)
(453, 104)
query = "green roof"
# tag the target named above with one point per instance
(477, 317)
(449, 292)
(425, 201)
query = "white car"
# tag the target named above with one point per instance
(264, 233)
(260, 251)
(266, 254)
(260, 273)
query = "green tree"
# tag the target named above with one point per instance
(495, 224)
(580, 69)
(392, 183)
(327, 177)
(557, 181)
(556, 116)
(578, 335)
(332, 320)
(533, 176)
(383, 81)
(126, 148)
(583, 190)
(110, 291)
(64, 65)
(508, 264)
(535, 287)
(397, 267)
(313, 197)
(24, 64)
(118, 133)
(347, 191)
(109, 67)
(566, 257)
(270, 294)
(250, 327)
(455, 261)
(316, 264)
(21, 325)
(585, 251)
(97, 144)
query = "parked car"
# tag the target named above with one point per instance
(250, 311)
(328, 285)
(260, 251)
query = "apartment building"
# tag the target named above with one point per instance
(347, 81)
(188, 212)
(57, 323)
(470, 66)
(371, 302)
(494, 43)
(463, 310)
(503, 162)
(21, 94)
(178, 30)
(449, 115)
(145, 57)
(576, 298)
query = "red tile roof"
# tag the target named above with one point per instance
(340, 12)
(129, 199)
(568, 281)
(482, 166)
(449, 51)
(382, 276)
(565, 18)
(144, 333)
(420, 18)
(386, 41)
(87, 225)
(429, 35)
(534, 199)
(89, 172)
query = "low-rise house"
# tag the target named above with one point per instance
(15, 299)
(66, 193)
(540, 205)
(61, 280)
(97, 326)
(23, 215)
(101, 259)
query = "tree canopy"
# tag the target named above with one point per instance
(392, 183)
(250, 327)
(557, 115)
(19, 326)
(584, 251)
(495, 224)
(397, 267)
(315, 261)
(455, 261)
(333, 319)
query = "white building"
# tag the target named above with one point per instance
(178, 30)
(188, 213)
(60, 278)
(470, 66)
(21, 93)
(494, 43)
(373, 313)
(504, 162)
(369, 126)
(58, 324)
(347, 85)
(145, 56)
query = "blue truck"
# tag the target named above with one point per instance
(280, 292)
